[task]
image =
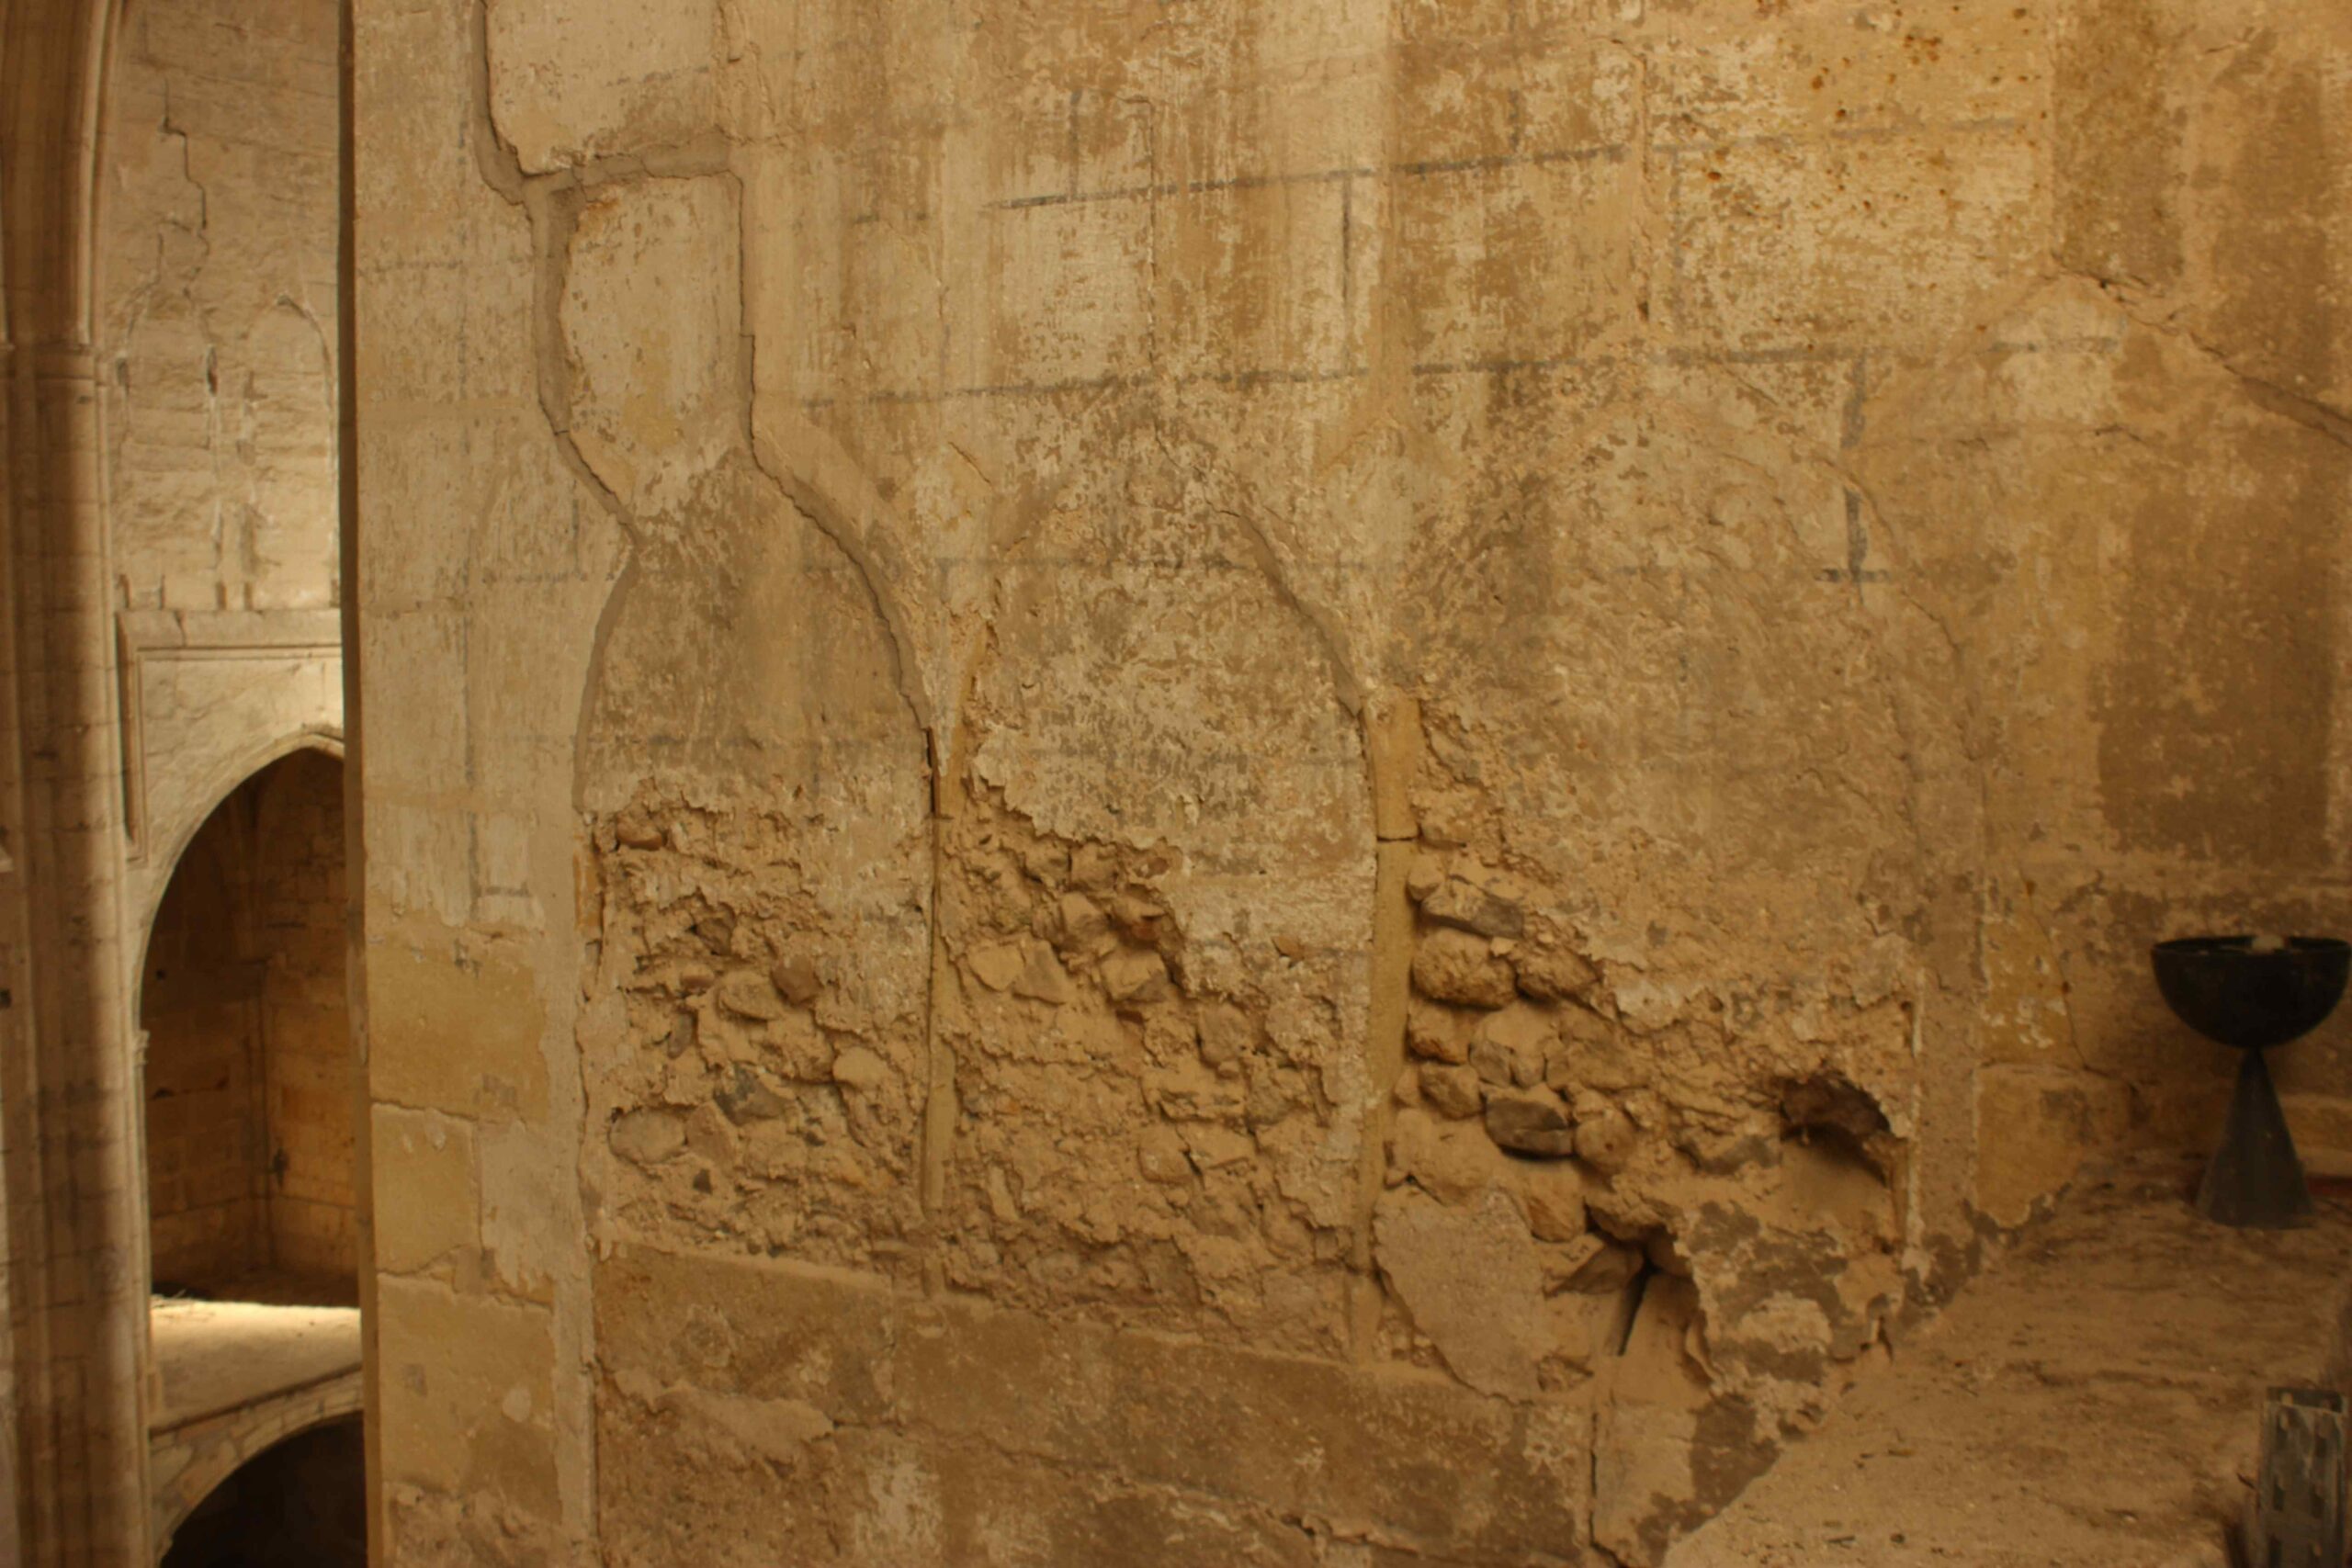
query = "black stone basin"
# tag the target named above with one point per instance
(2254, 993)
(2231, 992)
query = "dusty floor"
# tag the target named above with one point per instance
(287, 1286)
(2090, 1400)
(217, 1355)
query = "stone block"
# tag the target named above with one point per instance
(1261, 288)
(530, 667)
(1899, 248)
(1470, 1278)
(420, 745)
(416, 79)
(1530, 1122)
(1074, 300)
(1715, 81)
(566, 88)
(1452, 966)
(1521, 263)
(467, 1393)
(822, 1338)
(1511, 1048)
(2117, 146)
(652, 322)
(455, 1027)
(675, 1485)
(1372, 1449)
(1474, 91)
(997, 1510)
(420, 860)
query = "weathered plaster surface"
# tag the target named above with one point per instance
(218, 305)
(1324, 785)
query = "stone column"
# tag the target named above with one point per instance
(86, 1467)
(75, 1232)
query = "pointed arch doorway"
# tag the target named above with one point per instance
(250, 1079)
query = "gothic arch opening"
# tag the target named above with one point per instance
(249, 1084)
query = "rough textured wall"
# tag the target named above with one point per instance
(217, 263)
(1324, 784)
(308, 1067)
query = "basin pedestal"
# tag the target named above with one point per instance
(2255, 1179)
(2254, 993)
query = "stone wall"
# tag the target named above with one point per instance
(1311, 785)
(308, 1068)
(219, 297)
(207, 1139)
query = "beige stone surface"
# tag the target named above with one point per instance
(995, 634)
(950, 1432)
(426, 1164)
(218, 270)
(462, 1022)
(465, 1398)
